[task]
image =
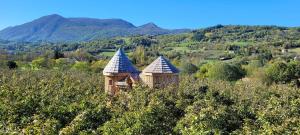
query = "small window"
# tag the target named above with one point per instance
(110, 82)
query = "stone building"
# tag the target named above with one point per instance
(160, 73)
(120, 74)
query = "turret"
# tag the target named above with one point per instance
(120, 74)
(160, 73)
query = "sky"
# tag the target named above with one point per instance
(165, 13)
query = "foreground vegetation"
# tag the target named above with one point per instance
(234, 80)
(52, 102)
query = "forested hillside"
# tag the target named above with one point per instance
(56, 28)
(233, 80)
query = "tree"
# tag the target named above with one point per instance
(82, 66)
(40, 126)
(225, 71)
(198, 35)
(64, 63)
(214, 114)
(159, 119)
(98, 66)
(87, 121)
(81, 55)
(282, 72)
(189, 68)
(141, 41)
(12, 65)
(42, 63)
(202, 73)
(58, 54)
(253, 66)
(139, 56)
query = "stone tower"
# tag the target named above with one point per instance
(119, 73)
(160, 73)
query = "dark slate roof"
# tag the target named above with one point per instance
(161, 65)
(120, 63)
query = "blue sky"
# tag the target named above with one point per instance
(165, 13)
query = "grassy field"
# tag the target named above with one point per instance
(295, 50)
(181, 48)
(108, 53)
(111, 53)
(242, 43)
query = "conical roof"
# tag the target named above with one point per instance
(161, 65)
(119, 63)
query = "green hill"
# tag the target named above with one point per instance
(56, 28)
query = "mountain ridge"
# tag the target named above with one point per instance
(56, 28)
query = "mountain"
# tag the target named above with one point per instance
(56, 28)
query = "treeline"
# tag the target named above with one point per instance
(235, 33)
(228, 34)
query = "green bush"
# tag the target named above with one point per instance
(42, 62)
(282, 72)
(82, 66)
(11, 65)
(189, 68)
(221, 71)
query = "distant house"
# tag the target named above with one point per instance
(120, 74)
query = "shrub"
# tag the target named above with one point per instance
(282, 72)
(98, 66)
(58, 54)
(253, 66)
(189, 68)
(42, 63)
(11, 65)
(64, 63)
(82, 66)
(221, 71)
(224, 71)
